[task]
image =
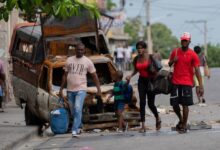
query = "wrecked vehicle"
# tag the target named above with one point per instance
(38, 63)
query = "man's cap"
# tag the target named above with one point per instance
(185, 36)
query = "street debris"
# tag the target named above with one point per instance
(199, 126)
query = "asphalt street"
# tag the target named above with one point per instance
(165, 139)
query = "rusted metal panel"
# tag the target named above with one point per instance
(76, 24)
(25, 72)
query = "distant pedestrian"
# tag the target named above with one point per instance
(119, 99)
(76, 80)
(185, 60)
(202, 67)
(141, 63)
(120, 57)
(128, 59)
(2, 85)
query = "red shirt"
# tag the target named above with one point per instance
(142, 68)
(183, 68)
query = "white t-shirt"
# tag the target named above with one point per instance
(120, 52)
(77, 69)
(128, 52)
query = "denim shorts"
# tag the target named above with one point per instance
(119, 105)
(181, 94)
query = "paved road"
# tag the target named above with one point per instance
(163, 140)
(212, 92)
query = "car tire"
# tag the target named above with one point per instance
(30, 118)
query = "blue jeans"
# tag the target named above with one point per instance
(76, 100)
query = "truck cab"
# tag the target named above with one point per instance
(38, 63)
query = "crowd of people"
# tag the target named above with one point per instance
(188, 71)
(123, 57)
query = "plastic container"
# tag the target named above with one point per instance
(59, 120)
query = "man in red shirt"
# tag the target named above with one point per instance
(185, 61)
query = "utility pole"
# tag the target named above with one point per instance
(204, 33)
(149, 39)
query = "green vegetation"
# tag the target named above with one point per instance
(59, 8)
(110, 5)
(163, 40)
(213, 55)
(132, 27)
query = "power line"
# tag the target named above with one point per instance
(186, 10)
(204, 32)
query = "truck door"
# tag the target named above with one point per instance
(43, 93)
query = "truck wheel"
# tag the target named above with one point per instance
(30, 118)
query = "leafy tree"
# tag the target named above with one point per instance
(59, 8)
(163, 40)
(110, 5)
(132, 27)
(213, 55)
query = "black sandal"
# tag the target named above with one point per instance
(179, 126)
(180, 129)
(158, 124)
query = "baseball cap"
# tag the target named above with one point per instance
(185, 36)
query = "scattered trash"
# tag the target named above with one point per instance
(162, 110)
(202, 104)
(48, 132)
(165, 110)
(86, 148)
(199, 126)
(218, 121)
(106, 130)
(97, 130)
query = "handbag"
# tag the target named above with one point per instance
(154, 66)
(162, 84)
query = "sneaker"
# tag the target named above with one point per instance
(79, 131)
(119, 131)
(74, 134)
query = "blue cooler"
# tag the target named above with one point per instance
(59, 120)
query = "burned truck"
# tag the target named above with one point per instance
(38, 56)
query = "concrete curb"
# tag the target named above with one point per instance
(25, 133)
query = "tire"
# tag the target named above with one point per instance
(30, 118)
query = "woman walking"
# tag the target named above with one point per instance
(141, 63)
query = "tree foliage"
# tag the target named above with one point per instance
(213, 55)
(163, 40)
(110, 5)
(132, 27)
(59, 8)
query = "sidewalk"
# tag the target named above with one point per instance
(13, 130)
